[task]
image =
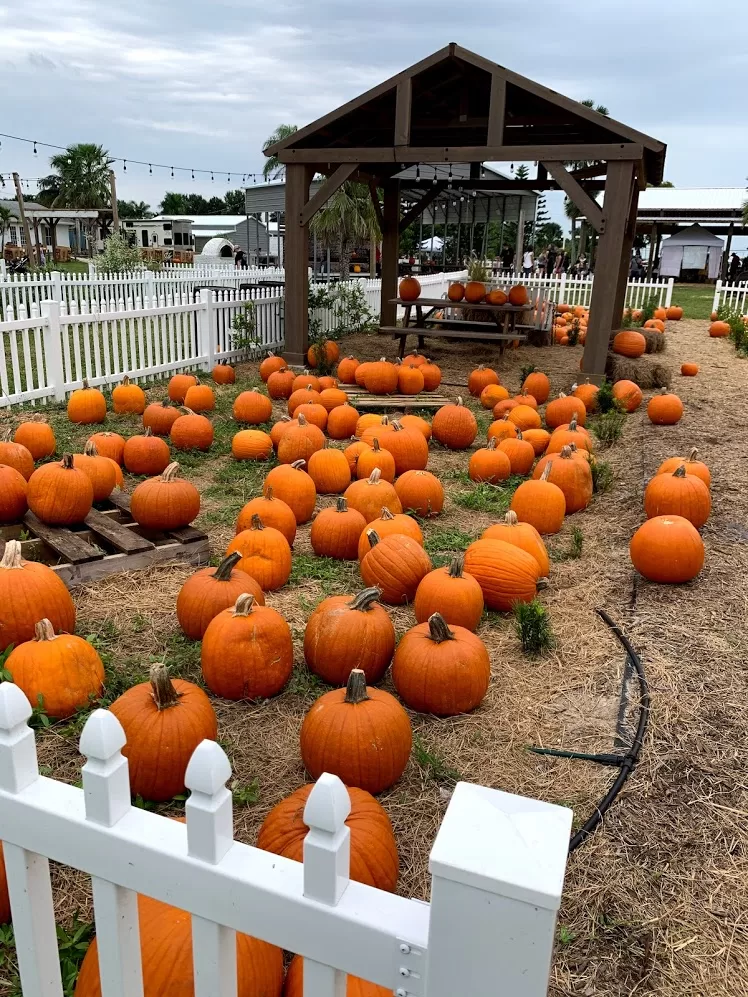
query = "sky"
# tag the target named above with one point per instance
(202, 84)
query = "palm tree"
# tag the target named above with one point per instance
(82, 180)
(134, 209)
(6, 217)
(347, 218)
(273, 168)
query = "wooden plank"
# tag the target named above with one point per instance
(413, 330)
(446, 303)
(589, 208)
(120, 537)
(120, 499)
(67, 544)
(187, 535)
(80, 574)
(407, 401)
(464, 154)
(403, 101)
(496, 110)
(325, 192)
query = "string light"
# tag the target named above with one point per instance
(449, 178)
(150, 169)
(125, 162)
(418, 173)
(36, 151)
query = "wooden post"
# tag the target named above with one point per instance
(24, 220)
(115, 210)
(296, 258)
(390, 251)
(728, 246)
(625, 269)
(603, 312)
(652, 244)
(520, 245)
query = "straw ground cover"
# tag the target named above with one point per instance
(654, 903)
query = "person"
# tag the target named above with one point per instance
(542, 262)
(550, 264)
(42, 257)
(238, 256)
(734, 266)
(527, 263)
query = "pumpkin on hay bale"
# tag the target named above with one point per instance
(655, 342)
(645, 371)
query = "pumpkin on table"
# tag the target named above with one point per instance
(266, 555)
(270, 365)
(128, 398)
(146, 454)
(179, 385)
(454, 426)
(489, 464)
(60, 494)
(522, 535)
(251, 444)
(667, 549)
(30, 591)
(452, 593)
(223, 373)
(100, 471)
(272, 512)
(395, 565)
(37, 436)
(252, 407)
(192, 432)
(166, 502)
(475, 292)
(360, 733)
(456, 291)
(13, 490)
(336, 530)
(110, 445)
(678, 494)
(441, 669)
(370, 495)
(420, 492)
(692, 465)
(86, 405)
(409, 289)
(159, 417)
(211, 590)
(518, 295)
(200, 398)
(505, 573)
(665, 409)
(291, 484)
(349, 631)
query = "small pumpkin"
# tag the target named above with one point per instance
(563, 409)
(456, 291)
(166, 502)
(29, 591)
(13, 489)
(128, 398)
(223, 373)
(387, 524)
(247, 651)
(628, 394)
(86, 405)
(329, 470)
(179, 385)
(99, 471)
(200, 398)
(420, 492)
(518, 295)
(306, 381)
(370, 495)
(565, 436)
(674, 313)
(266, 555)
(164, 720)
(496, 297)
(278, 429)
(395, 565)
(280, 384)
(540, 503)
(521, 454)
(341, 422)
(192, 432)
(538, 385)
(110, 445)
(691, 464)
(302, 396)
(480, 378)
(251, 444)
(667, 549)
(432, 375)
(347, 370)
(678, 494)
(37, 436)
(209, 591)
(522, 535)
(60, 494)
(409, 289)
(272, 512)
(573, 477)
(314, 413)
(291, 484)
(61, 672)
(332, 398)
(375, 457)
(452, 593)
(336, 530)
(505, 573)
(300, 440)
(524, 417)
(539, 438)
(665, 409)
(454, 426)
(489, 464)
(689, 369)
(370, 420)
(588, 393)
(347, 632)
(629, 344)
(361, 734)
(270, 365)
(159, 417)
(492, 394)
(146, 454)
(719, 329)
(441, 669)
(328, 351)
(502, 429)
(252, 407)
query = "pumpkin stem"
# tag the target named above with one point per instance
(43, 630)
(565, 452)
(148, 431)
(546, 471)
(492, 443)
(355, 690)
(67, 461)
(386, 514)
(341, 504)
(170, 473)
(680, 472)
(244, 604)
(374, 477)
(224, 569)
(125, 381)
(365, 599)
(373, 537)
(573, 424)
(256, 523)
(511, 518)
(692, 455)
(90, 449)
(302, 419)
(397, 426)
(455, 568)
(162, 688)
(375, 444)
(459, 400)
(166, 403)
(519, 435)
(298, 464)
(269, 494)
(12, 555)
(85, 382)
(187, 411)
(438, 629)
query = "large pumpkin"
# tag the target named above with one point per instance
(251, 444)
(347, 632)
(381, 378)
(266, 555)
(200, 398)
(60, 672)
(336, 531)
(299, 441)
(159, 417)
(506, 574)
(572, 476)
(370, 495)
(409, 448)
(678, 494)
(100, 471)
(628, 394)
(60, 494)
(409, 289)
(441, 669)
(538, 385)
(86, 405)
(540, 503)
(252, 407)
(211, 590)
(522, 535)
(361, 734)
(629, 344)
(13, 488)
(37, 436)
(110, 445)
(667, 549)
(272, 512)
(280, 384)
(166, 502)
(689, 369)
(521, 454)
(387, 524)
(223, 373)
(452, 593)
(270, 365)
(128, 398)
(164, 720)
(192, 431)
(166, 954)
(420, 492)
(14, 454)
(563, 409)
(395, 565)
(30, 591)
(341, 422)
(692, 465)
(480, 378)
(454, 426)
(375, 458)
(291, 484)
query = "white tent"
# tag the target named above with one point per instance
(434, 244)
(693, 248)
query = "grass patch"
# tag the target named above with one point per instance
(305, 684)
(608, 427)
(442, 544)
(696, 300)
(334, 576)
(494, 499)
(573, 551)
(246, 796)
(433, 764)
(602, 476)
(72, 942)
(533, 626)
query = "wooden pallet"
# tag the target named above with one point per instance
(426, 399)
(106, 542)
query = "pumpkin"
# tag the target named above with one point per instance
(456, 291)
(159, 417)
(504, 407)
(353, 451)
(128, 398)
(420, 492)
(667, 549)
(200, 398)
(381, 378)
(526, 400)
(588, 394)
(166, 954)
(29, 591)
(146, 454)
(665, 409)
(60, 494)
(518, 295)
(86, 405)
(192, 432)
(119, 480)
(314, 412)
(563, 409)
(693, 466)
(37, 436)
(375, 457)
(302, 396)
(689, 369)
(341, 422)
(13, 488)
(524, 417)
(99, 471)
(505, 573)
(475, 292)
(678, 494)
(489, 464)
(300, 440)
(271, 365)
(110, 445)
(360, 373)
(408, 447)
(540, 503)
(674, 313)
(327, 383)
(409, 380)
(432, 376)
(266, 554)
(441, 669)
(521, 454)
(522, 535)
(349, 631)
(332, 398)
(496, 297)
(178, 386)
(247, 651)
(502, 429)
(4, 897)
(629, 344)
(211, 590)
(656, 324)
(252, 407)
(375, 432)
(480, 378)
(272, 512)
(280, 383)
(223, 373)
(374, 858)
(336, 530)
(291, 484)
(454, 426)
(328, 469)
(278, 429)
(354, 987)
(368, 421)
(415, 360)
(328, 352)
(60, 672)
(387, 524)
(628, 394)
(565, 436)
(660, 313)
(538, 385)
(417, 423)
(539, 438)
(370, 495)
(251, 444)
(452, 593)
(361, 734)
(306, 381)
(409, 289)
(492, 394)
(166, 502)
(573, 477)
(395, 565)
(347, 370)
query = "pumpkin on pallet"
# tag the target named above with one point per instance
(166, 502)
(211, 590)
(336, 531)
(13, 495)
(349, 631)
(60, 494)
(99, 470)
(30, 591)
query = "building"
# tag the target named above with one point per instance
(154, 233)
(251, 233)
(61, 231)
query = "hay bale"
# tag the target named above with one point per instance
(644, 371)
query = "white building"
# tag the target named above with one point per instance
(249, 232)
(63, 228)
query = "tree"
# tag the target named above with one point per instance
(347, 218)
(173, 204)
(234, 202)
(81, 181)
(571, 210)
(6, 217)
(548, 234)
(522, 172)
(119, 256)
(273, 168)
(134, 209)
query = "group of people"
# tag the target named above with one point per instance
(736, 266)
(548, 263)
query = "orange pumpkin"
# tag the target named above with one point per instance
(300, 440)
(306, 380)
(416, 422)
(370, 495)
(270, 365)
(522, 535)
(223, 373)
(665, 409)
(166, 502)
(563, 409)
(178, 386)
(629, 344)
(505, 573)
(13, 488)
(518, 295)
(502, 429)
(540, 503)
(588, 394)
(272, 511)
(524, 417)
(572, 476)
(345, 632)
(667, 549)
(719, 329)
(375, 457)
(496, 297)
(291, 484)
(99, 470)
(409, 380)
(452, 593)
(384, 526)
(37, 436)
(678, 494)
(628, 394)
(128, 398)
(693, 466)
(266, 555)
(336, 530)
(489, 464)
(110, 445)
(192, 432)
(200, 398)
(30, 591)
(252, 407)
(211, 590)
(381, 378)
(409, 289)
(341, 422)
(347, 370)
(251, 444)
(432, 376)
(492, 394)
(539, 438)
(16, 455)
(328, 469)
(689, 369)
(456, 291)
(475, 292)
(395, 565)
(480, 378)
(146, 454)
(420, 492)
(303, 396)
(674, 313)
(280, 384)
(454, 426)
(328, 351)
(521, 454)
(86, 405)
(60, 494)
(159, 417)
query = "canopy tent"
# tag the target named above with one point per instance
(432, 245)
(692, 249)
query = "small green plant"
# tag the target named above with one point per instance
(118, 256)
(533, 626)
(489, 498)
(245, 325)
(574, 331)
(5, 675)
(435, 767)
(72, 945)
(565, 935)
(602, 476)
(476, 270)
(605, 398)
(524, 373)
(574, 549)
(738, 328)
(246, 796)
(608, 426)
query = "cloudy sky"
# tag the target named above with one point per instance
(203, 83)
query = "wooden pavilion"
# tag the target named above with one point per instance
(457, 107)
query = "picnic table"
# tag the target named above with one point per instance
(499, 324)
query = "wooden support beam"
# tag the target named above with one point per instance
(374, 195)
(296, 261)
(589, 172)
(328, 188)
(628, 245)
(603, 318)
(589, 208)
(390, 251)
(542, 174)
(420, 206)
(497, 110)
(614, 151)
(403, 102)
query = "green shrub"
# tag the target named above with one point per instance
(533, 626)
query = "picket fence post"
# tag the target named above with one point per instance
(52, 332)
(717, 295)
(562, 289)
(669, 292)
(207, 327)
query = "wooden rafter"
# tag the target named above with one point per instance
(497, 110)
(589, 172)
(326, 191)
(463, 154)
(402, 111)
(589, 208)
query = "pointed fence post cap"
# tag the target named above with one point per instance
(103, 736)
(208, 770)
(15, 709)
(328, 804)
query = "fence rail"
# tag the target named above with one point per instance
(569, 290)
(731, 296)
(497, 868)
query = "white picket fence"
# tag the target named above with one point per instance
(731, 295)
(569, 290)
(497, 868)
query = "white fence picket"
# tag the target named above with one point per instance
(731, 296)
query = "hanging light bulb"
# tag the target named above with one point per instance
(211, 176)
(125, 165)
(418, 173)
(193, 174)
(172, 171)
(150, 169)
(434, 180)
(229, 178)
(35, 150)
(449, 177)
(462, 197)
